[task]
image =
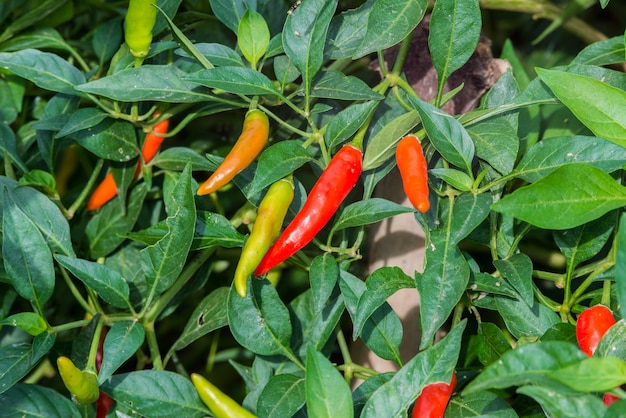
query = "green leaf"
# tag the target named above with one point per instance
(107, 283)
(389, 22)
(27, 258)
(16, 360)
(8, 142)
(163, 261)
(382, 146)
(446, 274)
(527, 364)
(566, 198)
(106, 230)
(609, 51)
(110, 139)
(260, 321)
(336, 85)
(230, 12)
(468, 212)
(551, 153)
(586, 241)
(480, 404)
(107, 39)
(253, 36)
(282, 396)
(285, 71)
(447, 135)
(163, 83)
(483, 282)
(175, 159)
(323, 276)
(46, 70)
(214, 230)
(613, 342)
(82, 119)
(496, 142)
(367, 212)
(454, 31)
(455, 178)
(304, 35)
(595, 374)
(436, 364)
(312, 327)
(27, 321)
(601, 107)
(29, 400)
(523, 320)
(276, 162)
(121, 343)
(47, 217)
(39, 38)
(518, 271)
(327, 394)
(620, 266)
(218, 54)
(235, 80)
(209, 315)
(345, 123)
(559, 404)
(346, 31)
(155, 393)
(382, 331)
(381, 284)
(492, 343)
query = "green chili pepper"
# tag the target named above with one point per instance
(269, 220)
(220, 404)
(82, 384)
(140, 19)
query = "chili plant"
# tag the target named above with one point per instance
(519, 199)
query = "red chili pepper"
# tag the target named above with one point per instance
(329, 191)
(433, 400)
(608, 399)
(104, 402)
(591, 326)
(256, 129)
(413, 171)
(107, 189)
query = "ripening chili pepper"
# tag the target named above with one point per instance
(269, 220)
(82, 384)
(591, 325)
(107, 189)
(256, 129)
(413, 171)
(433, 400)
(329, 191)
(140, 19)
(220, 404)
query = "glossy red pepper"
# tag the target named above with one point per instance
(107, 189)
(433, 400)
(413, 171)
(329, 191)
(591, 326)
(254, 135)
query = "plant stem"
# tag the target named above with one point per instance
(155, 354)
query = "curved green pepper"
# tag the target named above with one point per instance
(82, 384)
(140, 19)
(220, 404)
(269, 220)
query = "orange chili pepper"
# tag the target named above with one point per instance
(413, 171)
(256, 128)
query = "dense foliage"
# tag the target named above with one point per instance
(524, 225)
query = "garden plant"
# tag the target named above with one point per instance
(188, 186)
